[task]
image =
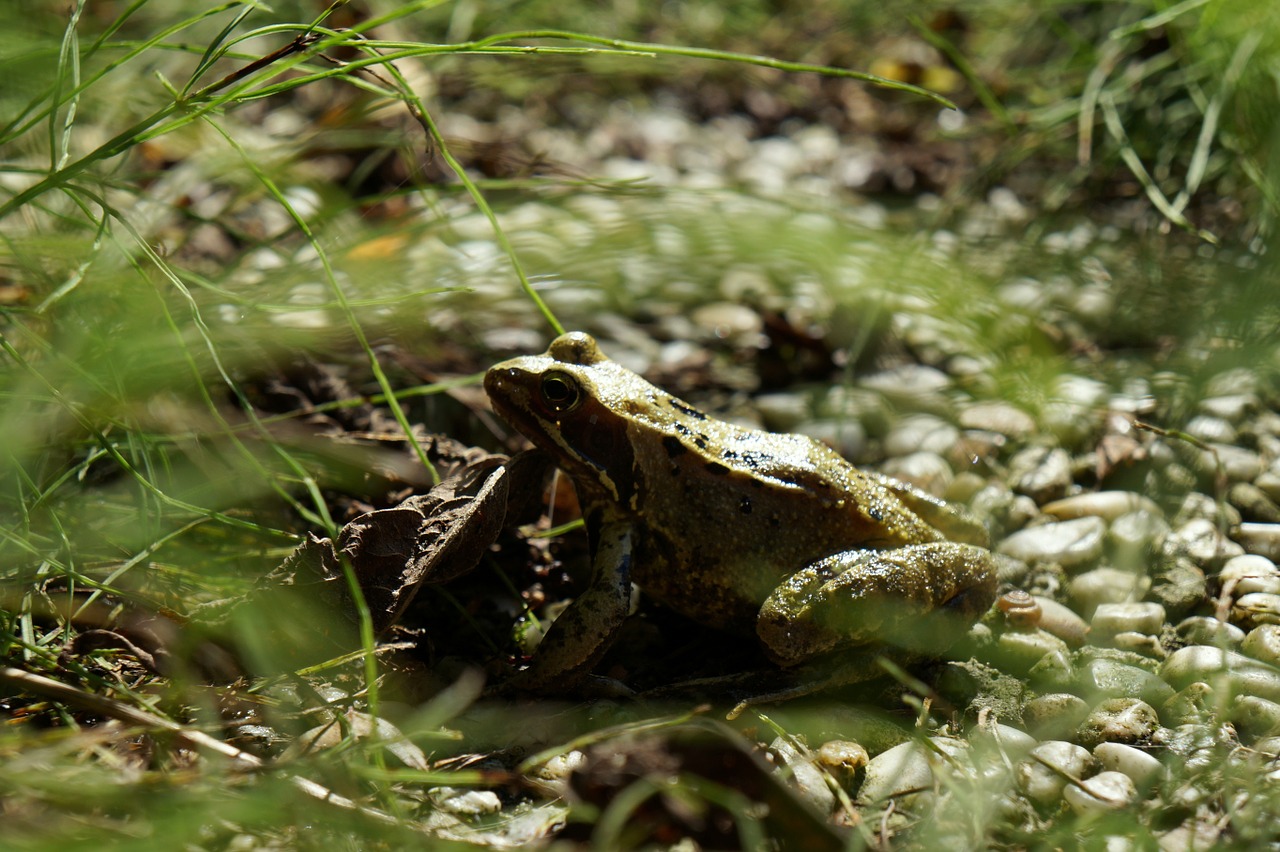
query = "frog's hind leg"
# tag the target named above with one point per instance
(918, 598)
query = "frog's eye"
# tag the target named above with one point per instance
(560, 391)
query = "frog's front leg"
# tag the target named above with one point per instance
(587, 627)
(919, 598)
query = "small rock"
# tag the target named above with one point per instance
(1113, 679)
(782, 412)
(1198, 505)
(1107, 585)
(1042, 473)
(1133, 536)
(1256, 608)
(921, 433)
(1254, 503)
(1106, 791)
(1068, 543)
(1192, 705)
(1256, 716)
(1233, 408)
(1108, 505)
(846, 436)
(1044, 784)
(1227, 671)
(909, 380)
(1055, 714)
(1206, 630)
(1250, 573)
(1022, 649)
(1000, 417)
(1211, 429)
(728, 320)
(928, 471)
(465, 802)
(905, 768)
(1238, 463)
(1140, 766)
(1112, 618)
(1119, 720)
(1263, 644)
(1200, 540)
(1261, 539)
(1179, 585)
(1007, 739)
(809, 781)
(1062, 622)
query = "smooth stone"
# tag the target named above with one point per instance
(921, 433)
(1068, 543)
(928, 471)
(1268, 482)
(907, 381)
(1207, 630)
(1141, 767)
(1261, 539)
(1141, 617)
(1107, 585)
(1139, 643)
(1006, 739)
(905, 768)
(1062, 621)
(1106, 791)
(1055, 714)
(1044, 784)
(1254, 503)
(728, 320)
(1226, 670)
(1197, 504)
(847, 436)
(1022, 649)
(465, 802)
(1201, 541)
(1211, 429)
(1250, 573)
(782, 412)
(1179, 586)
(1111, 678)
(997, 416)
(1133, 536)
(1119, 720)
(1193, 704)
(1257, 716)
(1236, 463)
(1233, 408)
(1256, 608)
(1041, 473)
(810, 782)
(1107, 505)
(1263, 644)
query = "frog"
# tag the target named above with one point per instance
(757, 533)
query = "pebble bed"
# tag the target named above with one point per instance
(1141, 625)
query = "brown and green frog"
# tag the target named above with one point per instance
(765, 534)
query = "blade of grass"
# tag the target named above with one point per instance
(68, 65)
(1115, 126)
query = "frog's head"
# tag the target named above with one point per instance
(573, 403)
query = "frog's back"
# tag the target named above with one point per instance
(729, 512)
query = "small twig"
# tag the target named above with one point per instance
(100, 704)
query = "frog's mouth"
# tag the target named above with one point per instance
(510, 396)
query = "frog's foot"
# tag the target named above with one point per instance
(919, 598)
